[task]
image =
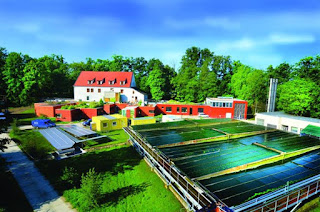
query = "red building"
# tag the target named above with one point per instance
(221, 107)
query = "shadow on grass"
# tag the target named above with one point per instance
(113, 161)
(113, 198)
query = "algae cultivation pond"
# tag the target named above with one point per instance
(259, 160)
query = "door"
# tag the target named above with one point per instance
(190, 111)
(239, 111)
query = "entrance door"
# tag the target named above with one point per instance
(190, 111)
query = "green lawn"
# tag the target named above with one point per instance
(129, 184)
(32, 142)
(12, 197)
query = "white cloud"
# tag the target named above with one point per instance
(27, 27)
(291, 39)
(211, 22)
(242, 44)
(221, 22)
(63, 38)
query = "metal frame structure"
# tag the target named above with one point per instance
(195, 197)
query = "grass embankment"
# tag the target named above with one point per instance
(128, 183)
(32, 142)
(114, 137)
(12, 197)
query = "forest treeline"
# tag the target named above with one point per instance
(201, 74)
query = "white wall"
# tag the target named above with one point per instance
(128, 95)
(287, 121)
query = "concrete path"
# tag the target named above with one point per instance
(39, 192)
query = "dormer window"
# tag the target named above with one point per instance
(112, 82)
(123, 82)
(91, 81)
(100, 82)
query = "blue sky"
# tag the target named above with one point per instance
(258, 33)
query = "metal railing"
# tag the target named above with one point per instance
(193, 195)
(284, 198)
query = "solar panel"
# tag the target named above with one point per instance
(77, 130)
(57, 138)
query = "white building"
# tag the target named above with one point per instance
(108, 86)
(285, 122)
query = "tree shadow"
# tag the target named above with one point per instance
(114, 197)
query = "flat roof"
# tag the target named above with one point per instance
(143, 118)
(57, 138)
(109, 117)
(77, 130)
(284, 115)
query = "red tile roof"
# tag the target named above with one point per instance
(97, 76)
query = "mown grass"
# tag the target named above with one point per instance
(128, 185)
(32, 142)
(114, 137)
(12, 197)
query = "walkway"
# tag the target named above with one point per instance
(39, 192)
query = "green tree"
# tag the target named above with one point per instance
(156, 82)
(297, 96)
(282, 72)
(187, 80)
(3, 56)
(91, 188)
(55, 71)
(308, 68)
(250, 84)
(13, 74)
(208, 82)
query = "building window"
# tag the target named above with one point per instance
(88, 98)
(284, 127)
(220, 104)
(114, 123)
(104, 124)
(223, 104)
(200, 110)
(59, 115)
(99, 90)
(151, 111)
(294, 129)
(184, 110)
(91, 90)
(178, 109)
(132, 92)
(168, 109)
(88, 90)
(121, 91)
(230, 104)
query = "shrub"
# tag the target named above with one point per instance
(42, 116)
(70, 176)
(101, 103)
(93, 104)
(14, 127)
